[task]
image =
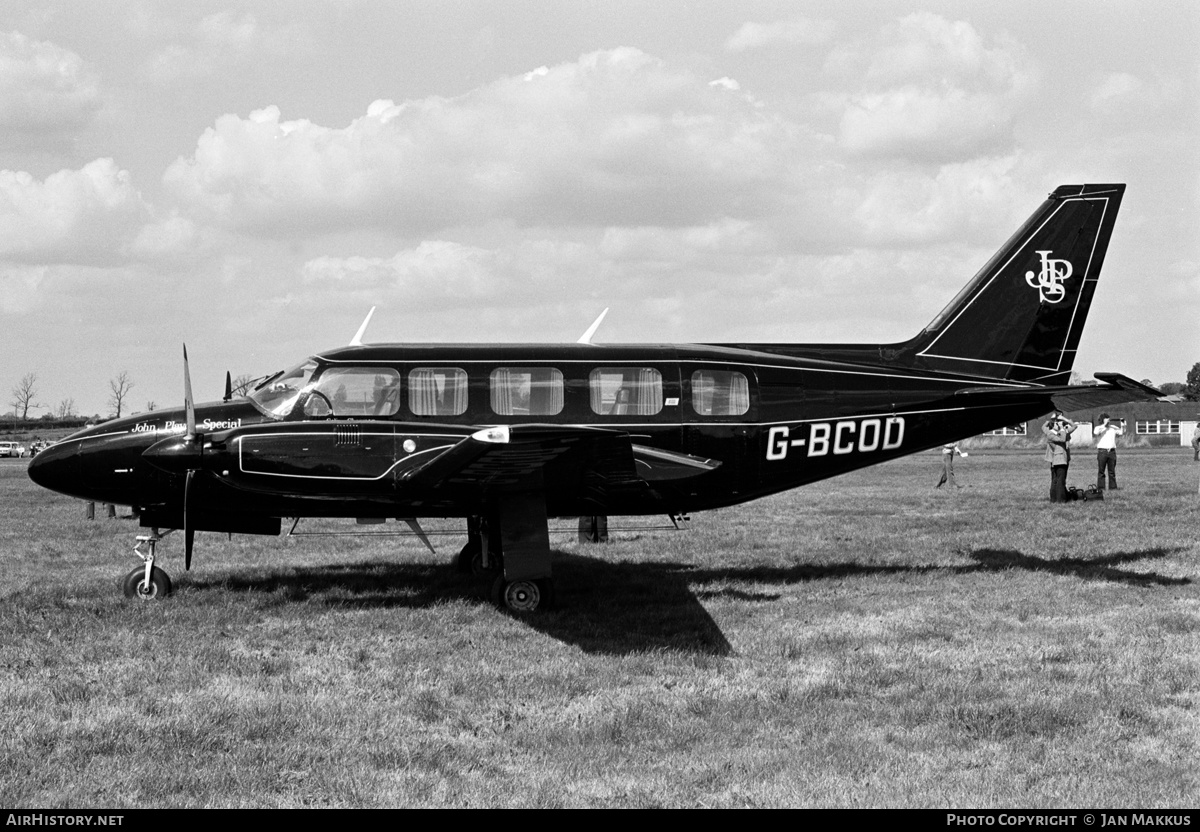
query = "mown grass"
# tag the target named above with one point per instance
(868, 641)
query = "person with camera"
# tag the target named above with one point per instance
(1106, 450)
(1058, 429)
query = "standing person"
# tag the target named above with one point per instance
(1196, 442)
(1106, 450)
(1058, 429)
(948, 452)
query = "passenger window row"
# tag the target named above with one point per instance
(517, 391)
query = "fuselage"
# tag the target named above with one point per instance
(341, 434)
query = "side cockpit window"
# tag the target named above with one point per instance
(720, 393)
(354, 392)
(437, 391)
(276, 397)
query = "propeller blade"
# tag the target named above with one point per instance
(189, 534)
(188, 403)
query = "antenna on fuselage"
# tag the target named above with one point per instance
(356, 341)
(586, 338)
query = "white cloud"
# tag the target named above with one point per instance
(1118, 93)
(218, 41)
(45, 91)
(168, 237)
(19, 287)
(798, 31)
(932, 90)
(73, 216)
(968, 201)
(616, 137)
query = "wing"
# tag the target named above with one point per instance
(590, 462)
(1116, 389)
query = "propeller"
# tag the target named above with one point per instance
(182, 455)
(189, 409)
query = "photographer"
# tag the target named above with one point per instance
(1106, 450)
(1058, 429)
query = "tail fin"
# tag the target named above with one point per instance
(1021, 317)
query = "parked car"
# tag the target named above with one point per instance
(12, 449)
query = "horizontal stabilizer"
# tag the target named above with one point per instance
(1116, 389)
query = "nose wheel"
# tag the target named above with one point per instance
(137, 585)
(147, 582)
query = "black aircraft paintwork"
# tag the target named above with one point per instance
(723, 423)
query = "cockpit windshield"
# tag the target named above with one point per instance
(278, 396)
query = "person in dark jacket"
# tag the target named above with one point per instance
(1058, 429)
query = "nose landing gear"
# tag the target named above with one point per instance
(147, 582)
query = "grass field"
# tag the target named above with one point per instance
(868, 641)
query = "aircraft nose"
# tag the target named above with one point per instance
(56, 468)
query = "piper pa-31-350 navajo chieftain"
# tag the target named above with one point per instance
(509, 435)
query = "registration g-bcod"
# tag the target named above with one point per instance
(841, 437)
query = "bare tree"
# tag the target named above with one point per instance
(120, 387)
(23, 395)
(66, 408)
(241, 385)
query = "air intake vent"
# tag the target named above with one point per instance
(348, 435)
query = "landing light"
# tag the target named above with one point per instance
(498, 434)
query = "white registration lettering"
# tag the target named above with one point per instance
(818, 439)
(844, 437)
(777, 442)
(869, 427)
(893, 433)
(839, 433)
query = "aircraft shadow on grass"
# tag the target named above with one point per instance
(1103, 568)
(621, 607)
(605, 607)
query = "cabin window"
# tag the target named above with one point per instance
(626, 391)
(437, 391)
(362, 392)
(720, 393)
(527, 391)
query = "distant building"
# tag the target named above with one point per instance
(1163, 423)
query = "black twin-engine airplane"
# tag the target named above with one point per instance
(508, 435)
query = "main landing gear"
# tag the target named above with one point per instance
(512, 544)
(147, 582)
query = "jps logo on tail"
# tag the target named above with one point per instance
(845, 437)
(1049, 280)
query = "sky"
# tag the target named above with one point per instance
(251, 178)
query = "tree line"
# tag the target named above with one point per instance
(24, 396)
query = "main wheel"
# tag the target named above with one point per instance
(523, 595)
(470, 561)
(134, 585)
